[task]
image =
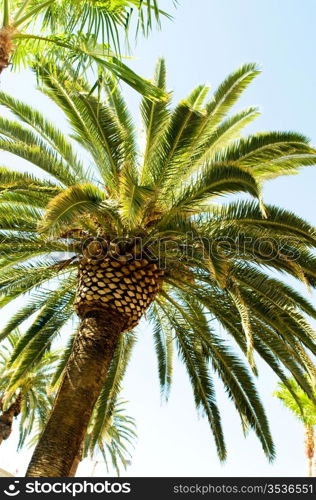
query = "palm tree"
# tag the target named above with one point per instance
(304, 409)
(137, 232)
(85, 29)
(28, 397)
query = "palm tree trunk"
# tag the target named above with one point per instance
(84, 377)
(6, 418)
(309, 447)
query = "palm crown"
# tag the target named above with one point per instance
(199, 260)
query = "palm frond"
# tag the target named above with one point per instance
(270, 154)
(65, 208)
(229, 92)
(163, 339)
(214, 181)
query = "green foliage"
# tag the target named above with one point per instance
(85, 30)
(104, 18)
(64, 209)
(300, 405)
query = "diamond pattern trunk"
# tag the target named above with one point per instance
(123, 285)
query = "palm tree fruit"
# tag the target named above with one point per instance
(123, 285)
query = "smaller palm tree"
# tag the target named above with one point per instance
(28, 397)
(294, 398)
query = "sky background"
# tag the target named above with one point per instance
(205, 42)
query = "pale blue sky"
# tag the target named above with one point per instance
(206, 41)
